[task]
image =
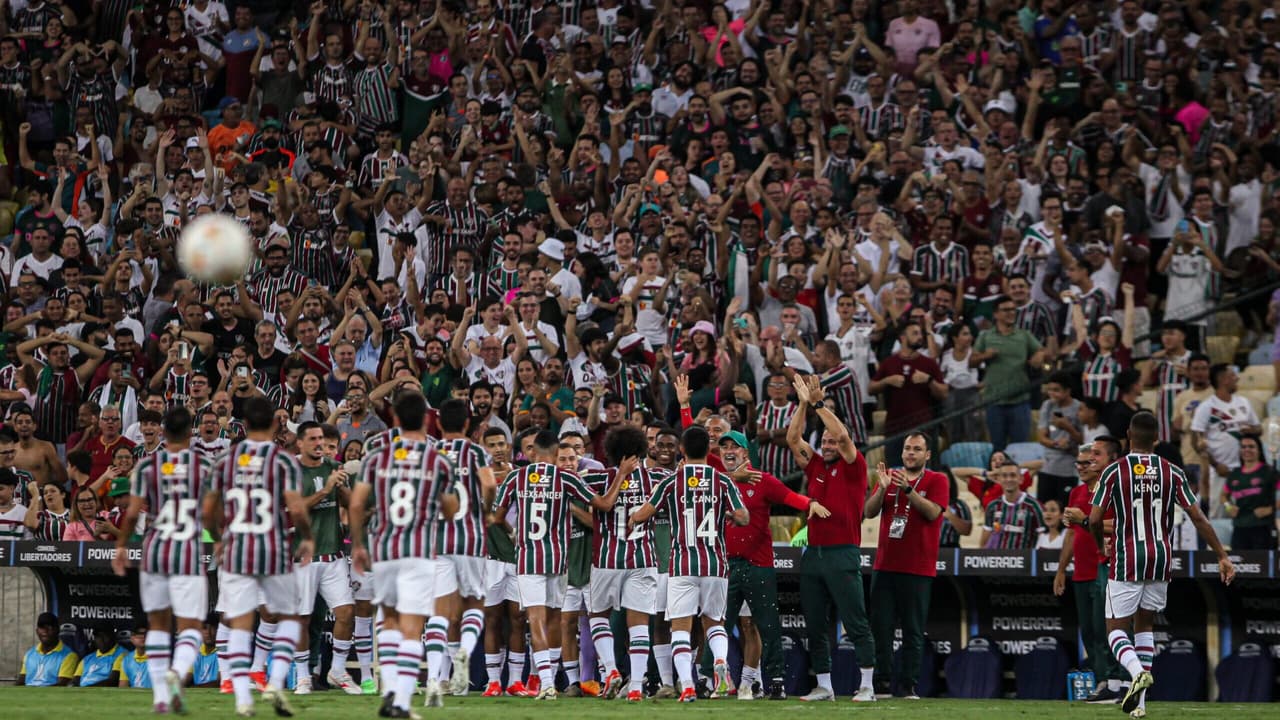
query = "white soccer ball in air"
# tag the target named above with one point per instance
(215, 249)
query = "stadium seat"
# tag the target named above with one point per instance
(1041, 674)
(1222, 348)
(967, 454)
(1261, 355)
(782, 527)
(1026, 453)
(1258, 377)
(975, 673)
(1227, 322)
(1258, 399)
(1184, 660)
(1246, 675)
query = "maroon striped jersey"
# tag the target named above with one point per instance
(541, 494)
(172, 485)
(1143, 490)
(464, 534)
(406, 477)
(252, 479)
(698, 499)
(614, 547)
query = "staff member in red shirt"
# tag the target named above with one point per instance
(751, 575)
(831, 567)
(1089, 577)
(910, 501)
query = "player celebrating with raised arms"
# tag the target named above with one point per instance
(1143, 489)
(408, 485)
(173, 581)
(623, 576)
(460, 565)
(244, 514)
(697, 497)
(541, 494)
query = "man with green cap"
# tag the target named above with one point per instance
(753, 584)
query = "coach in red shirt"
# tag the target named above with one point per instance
(750, 547)
(831, 567)
(910, 501)
(1089, 577)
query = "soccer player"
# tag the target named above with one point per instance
(501, 598)
(541, 492)
(664, 458)
(460, 564)
(577, 573)
(623, 576)
(407, 483)
(173, 581)
(697, 498)
(326, 487)
(244, 512)
(1143, 488)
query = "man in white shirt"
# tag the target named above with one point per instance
(551, 258)
(1217, 426)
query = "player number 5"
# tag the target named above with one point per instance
(537, 520)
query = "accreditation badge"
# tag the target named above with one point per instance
(897, 527)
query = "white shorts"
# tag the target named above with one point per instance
(500, 583)
(361, 585)
(462, 574)
(624, 589)
(576, 599)
(407, 584)
(186, 595)
(331, 580)
(242, 594)
(660, 593)
(1124, 598)
(686, 596)
(542, 590)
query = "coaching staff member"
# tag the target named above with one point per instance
(909, 501)
(831, 567)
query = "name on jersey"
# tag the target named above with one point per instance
(539, 494)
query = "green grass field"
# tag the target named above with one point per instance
(107, 704)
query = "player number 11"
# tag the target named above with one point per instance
(1139, 512)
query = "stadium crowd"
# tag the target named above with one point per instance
(577, 219)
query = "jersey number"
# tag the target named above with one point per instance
(252, 511)
(176, 520)
(1140, 519)
(401, 510)
(538, 520)
(705, 531)
(623, 515)
(459, 489)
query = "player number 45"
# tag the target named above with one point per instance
(176, 520)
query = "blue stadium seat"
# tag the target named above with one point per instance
(1184, 660)
(1246, 675)
(1261, 355)
(1024, 452)
(845, 674)
(967, 454)
(975, 672)
(1041, 674)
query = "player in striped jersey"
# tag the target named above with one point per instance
(1012, 521)
(540, 493)
(773, 417)
(404, 487)
(1143, 488)
(173, 583)
(460, 565)
(623, 574)
(698, 499)
(251, 489)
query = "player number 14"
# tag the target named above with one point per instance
(696, 532)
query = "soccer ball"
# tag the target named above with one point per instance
(215, 249)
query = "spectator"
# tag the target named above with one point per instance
(1059, 434)
(48, 516)
(1217, 424)
(1249, 499)
(963, 386)
(957, 521)
(1185, 404)
(50, 662)
(1013, 520)
(12, 513)
(87, 522)
(1051, 536)
(910, 382)
(1008, 352)
(101, 667)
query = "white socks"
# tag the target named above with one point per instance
(546, 671)
(185, 651)
(341, 650)
(493, 666)
(409, 662)
(682, 657)
(220, 642)
(388, 656)
(157, 651)
(662, 656)
(239, 650)
(282, 652)
(262, 645)
(1144, 644)
(434, 636)
(1123, 650)
(868, 678)
(515, 667)
(469, 630)
(824, 681)
(749, 675)
(719, 642)
(638, 652)
(602, 638)
(363, 641)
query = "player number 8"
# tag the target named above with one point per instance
(400, 512)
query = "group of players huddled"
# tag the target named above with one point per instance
(448, 539)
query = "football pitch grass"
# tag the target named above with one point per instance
(122, 704)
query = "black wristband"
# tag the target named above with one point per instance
(820, 405)
(908, 490)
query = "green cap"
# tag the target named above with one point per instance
(838, 130)
(734, 436)
(119, 486)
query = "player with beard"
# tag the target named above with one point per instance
(753, 584)
(502, 602)
(460, 563)
(664, 459)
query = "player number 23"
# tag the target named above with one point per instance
(252, 511)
